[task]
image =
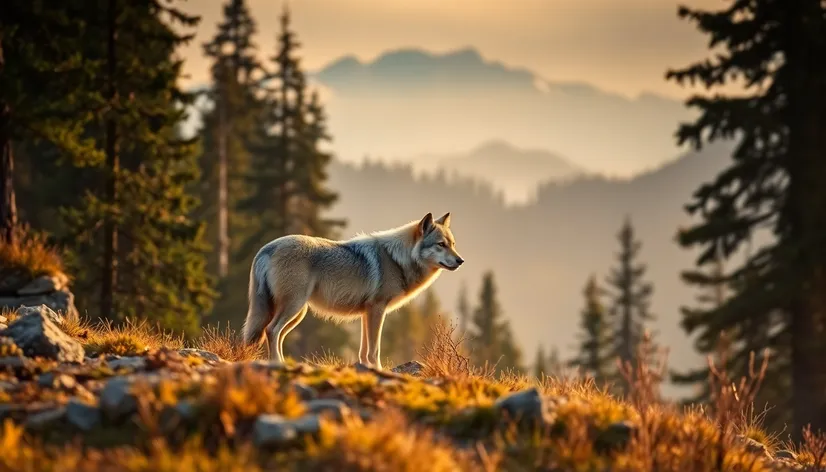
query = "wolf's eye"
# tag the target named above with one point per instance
(443, 244)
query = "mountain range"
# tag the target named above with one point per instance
(409, 102)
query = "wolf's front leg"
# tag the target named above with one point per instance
(364, 342)
(375, 321)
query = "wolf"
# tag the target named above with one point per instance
(365, 277)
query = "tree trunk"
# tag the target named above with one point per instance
(805, 56)
(8, 205)
(223, 198)
(109, 277)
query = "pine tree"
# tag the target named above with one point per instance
(774, 183)
(595, 348)
(228, 127)
(153, 253)
(630, 300)
(492, 340)
(287, 189)
(34, 43)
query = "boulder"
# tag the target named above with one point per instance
(44, 284)
(61, 301)
(37, 336)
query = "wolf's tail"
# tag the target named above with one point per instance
(261, 309)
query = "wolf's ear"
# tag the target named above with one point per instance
(424, 225)
(444, 220)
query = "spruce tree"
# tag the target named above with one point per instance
(492, 341)
(629, 301)
(288, 192)
(773, 184)
(595, 348)
(135, 223)
(228, 128)
(36, 42)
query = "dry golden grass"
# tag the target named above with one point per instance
(390, 443)
(30, 255)
(227, 345)
(417, 425)
(128, 339)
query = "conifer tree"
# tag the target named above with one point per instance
(288, 192)
(595, 349)
(773, 183)
(492, 341)
(629, 301)
(228, 128)
(152, 253)
(34, 43)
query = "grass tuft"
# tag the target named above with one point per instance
(227, 345)
(29, 255)
(128, 339)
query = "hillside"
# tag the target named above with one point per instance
(515, 171)
(89, 398)
(542, 253)
(410, 102)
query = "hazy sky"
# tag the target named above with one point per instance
(623, 46)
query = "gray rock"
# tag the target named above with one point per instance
(44, 284)
(268, 365)
(304, 392)
(205, 355)
(57, 380)
(330, 406)
(61, 301)
(413, 368)
(116, 399)
(42, 310)
(45, 419)
(82, 416)
(37, 336)
(359, 367)
(527, 407)
(178, 414)
(307, 424)
(129, 362)
(273, 430)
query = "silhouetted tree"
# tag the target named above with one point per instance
(492, 341)
(774, 183)
(630, 300)
(595, 349)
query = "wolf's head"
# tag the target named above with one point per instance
(435, 242)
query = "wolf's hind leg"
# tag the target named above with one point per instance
(284, 313)
(291, 325)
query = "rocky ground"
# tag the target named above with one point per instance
(74, 397)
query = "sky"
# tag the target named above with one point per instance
(619, 46)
